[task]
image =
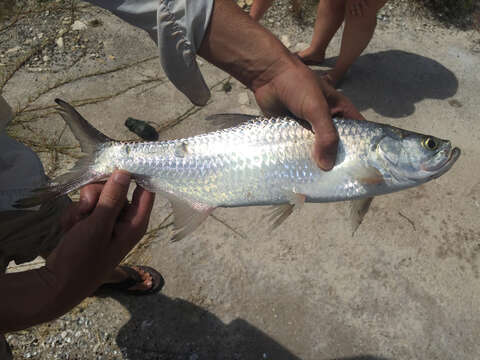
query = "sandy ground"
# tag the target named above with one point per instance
(406, 286)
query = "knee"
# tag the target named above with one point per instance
(334, 4)
(368, 15)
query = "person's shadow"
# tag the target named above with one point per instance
(392, 82)
(164, 328)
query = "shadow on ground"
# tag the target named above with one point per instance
(164, 328)
(392, 82)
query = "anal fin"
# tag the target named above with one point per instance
(358, 210)
(281, 212)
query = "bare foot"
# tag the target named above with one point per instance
(145, 284)
(119, 275)
(310, 57)
(331, 78)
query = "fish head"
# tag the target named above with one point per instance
(413, 158)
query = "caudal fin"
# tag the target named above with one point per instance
(82, 173)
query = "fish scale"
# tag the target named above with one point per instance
(253, 171)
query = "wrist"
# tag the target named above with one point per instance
(243, 48)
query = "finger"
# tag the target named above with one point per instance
(326, 138)
(89, 196)
(352, 10)
(347, 110)
(112, 198)
(134, 221)
(358, 9)
(70, 217)
(138, 212)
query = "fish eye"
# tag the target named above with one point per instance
(430, 143)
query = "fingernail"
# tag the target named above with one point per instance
(121, 178)
(326, 166)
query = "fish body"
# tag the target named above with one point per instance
(263, 161)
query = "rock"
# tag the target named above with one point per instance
(79, 26)
(301, 46)
(285, 41)
(46, 58)
(243, 98)
(59, 42)
(13, 50)
(249, 111)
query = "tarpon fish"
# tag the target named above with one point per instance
(261, 161)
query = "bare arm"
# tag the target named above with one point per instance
(280, 81)
(87, 255)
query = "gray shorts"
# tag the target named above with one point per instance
(24, 234)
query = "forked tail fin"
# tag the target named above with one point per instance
(81, 174)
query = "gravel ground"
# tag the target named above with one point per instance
(91, 329)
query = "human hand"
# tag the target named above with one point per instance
(296, 89)
(338, 103)
(107, 228)
(280, 81)
(357, 7)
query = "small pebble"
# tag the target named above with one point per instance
(79, 26)
(59, 42)
(285, 41)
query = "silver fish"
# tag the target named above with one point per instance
(262, 161)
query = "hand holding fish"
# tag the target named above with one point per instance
(280, 81)
(102, 238)
(104, 228)
(298, 90)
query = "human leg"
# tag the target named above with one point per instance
(258, 9)
(357, 34)
(330, 14)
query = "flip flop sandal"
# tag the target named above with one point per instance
(135, 278)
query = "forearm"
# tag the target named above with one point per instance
(28, 298)
(238, 45)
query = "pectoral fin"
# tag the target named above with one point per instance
(368, 175)
(281, 212)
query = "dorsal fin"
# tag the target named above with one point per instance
(225, 121)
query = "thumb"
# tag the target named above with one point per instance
(326, 137)
(112, 197)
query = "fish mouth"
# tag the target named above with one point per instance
(445, 166)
